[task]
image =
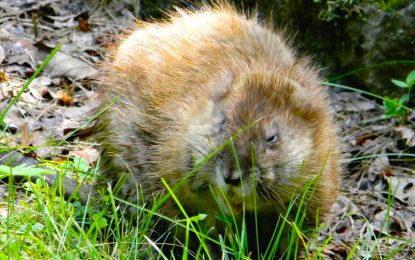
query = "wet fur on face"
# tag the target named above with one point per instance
(260, 135)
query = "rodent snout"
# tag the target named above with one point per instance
(233, 178)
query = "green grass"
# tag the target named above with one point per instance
(42, 224)
(44, 221)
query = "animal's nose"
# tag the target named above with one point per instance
(234, 178)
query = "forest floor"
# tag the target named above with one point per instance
(377, 201)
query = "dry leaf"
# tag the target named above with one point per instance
(83, 25)
(403, 189)
(334, 249)
(10, 88)
(395, 226)
(65, 65)
(39, 91)
(379, 165)
(3, 76)
(39, 141)
(64, 97)
(408, 134)
(2, 54)
(409, 218)
(359, 105)
(89, 154)
(22, 52)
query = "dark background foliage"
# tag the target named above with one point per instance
(377, 37)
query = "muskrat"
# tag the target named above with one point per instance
(221, 96)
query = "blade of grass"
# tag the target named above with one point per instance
(351, 254)
(222, 245)
(24, 171)
(392, 62)
(243, 238)
(115, 210)
(154, 245)
(378, 155)
(188, 220)
(255, 202)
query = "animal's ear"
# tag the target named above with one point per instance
(298, 93)
(220, 84)
(308, 101)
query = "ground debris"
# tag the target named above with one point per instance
(377, 201)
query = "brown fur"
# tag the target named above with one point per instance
(187, 85)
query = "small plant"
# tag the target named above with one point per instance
(395, 107)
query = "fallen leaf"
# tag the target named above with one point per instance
(395, 226)
(5, 35)
(38, 91)
(83, 25)
(353, 102)
(360, 105)
(10, 88)
(378, 145)
(28, 97)
(334, 250)
(64, 97)
(3, 76)
(22, 52)
(403, 189)
(41, 81)
(65, 65)
(409, 219)
(68, 126)
(39, 142)
(89, 154)
(13, 119)
(408, 134)
(83, 112)
(2, 54)
(84, 41)
(378, 169)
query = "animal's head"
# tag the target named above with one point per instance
(263, 137)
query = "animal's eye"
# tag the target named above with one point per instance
(220, 126)
(272, 139)
(222, 122)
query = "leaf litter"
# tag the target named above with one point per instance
(377, 201)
